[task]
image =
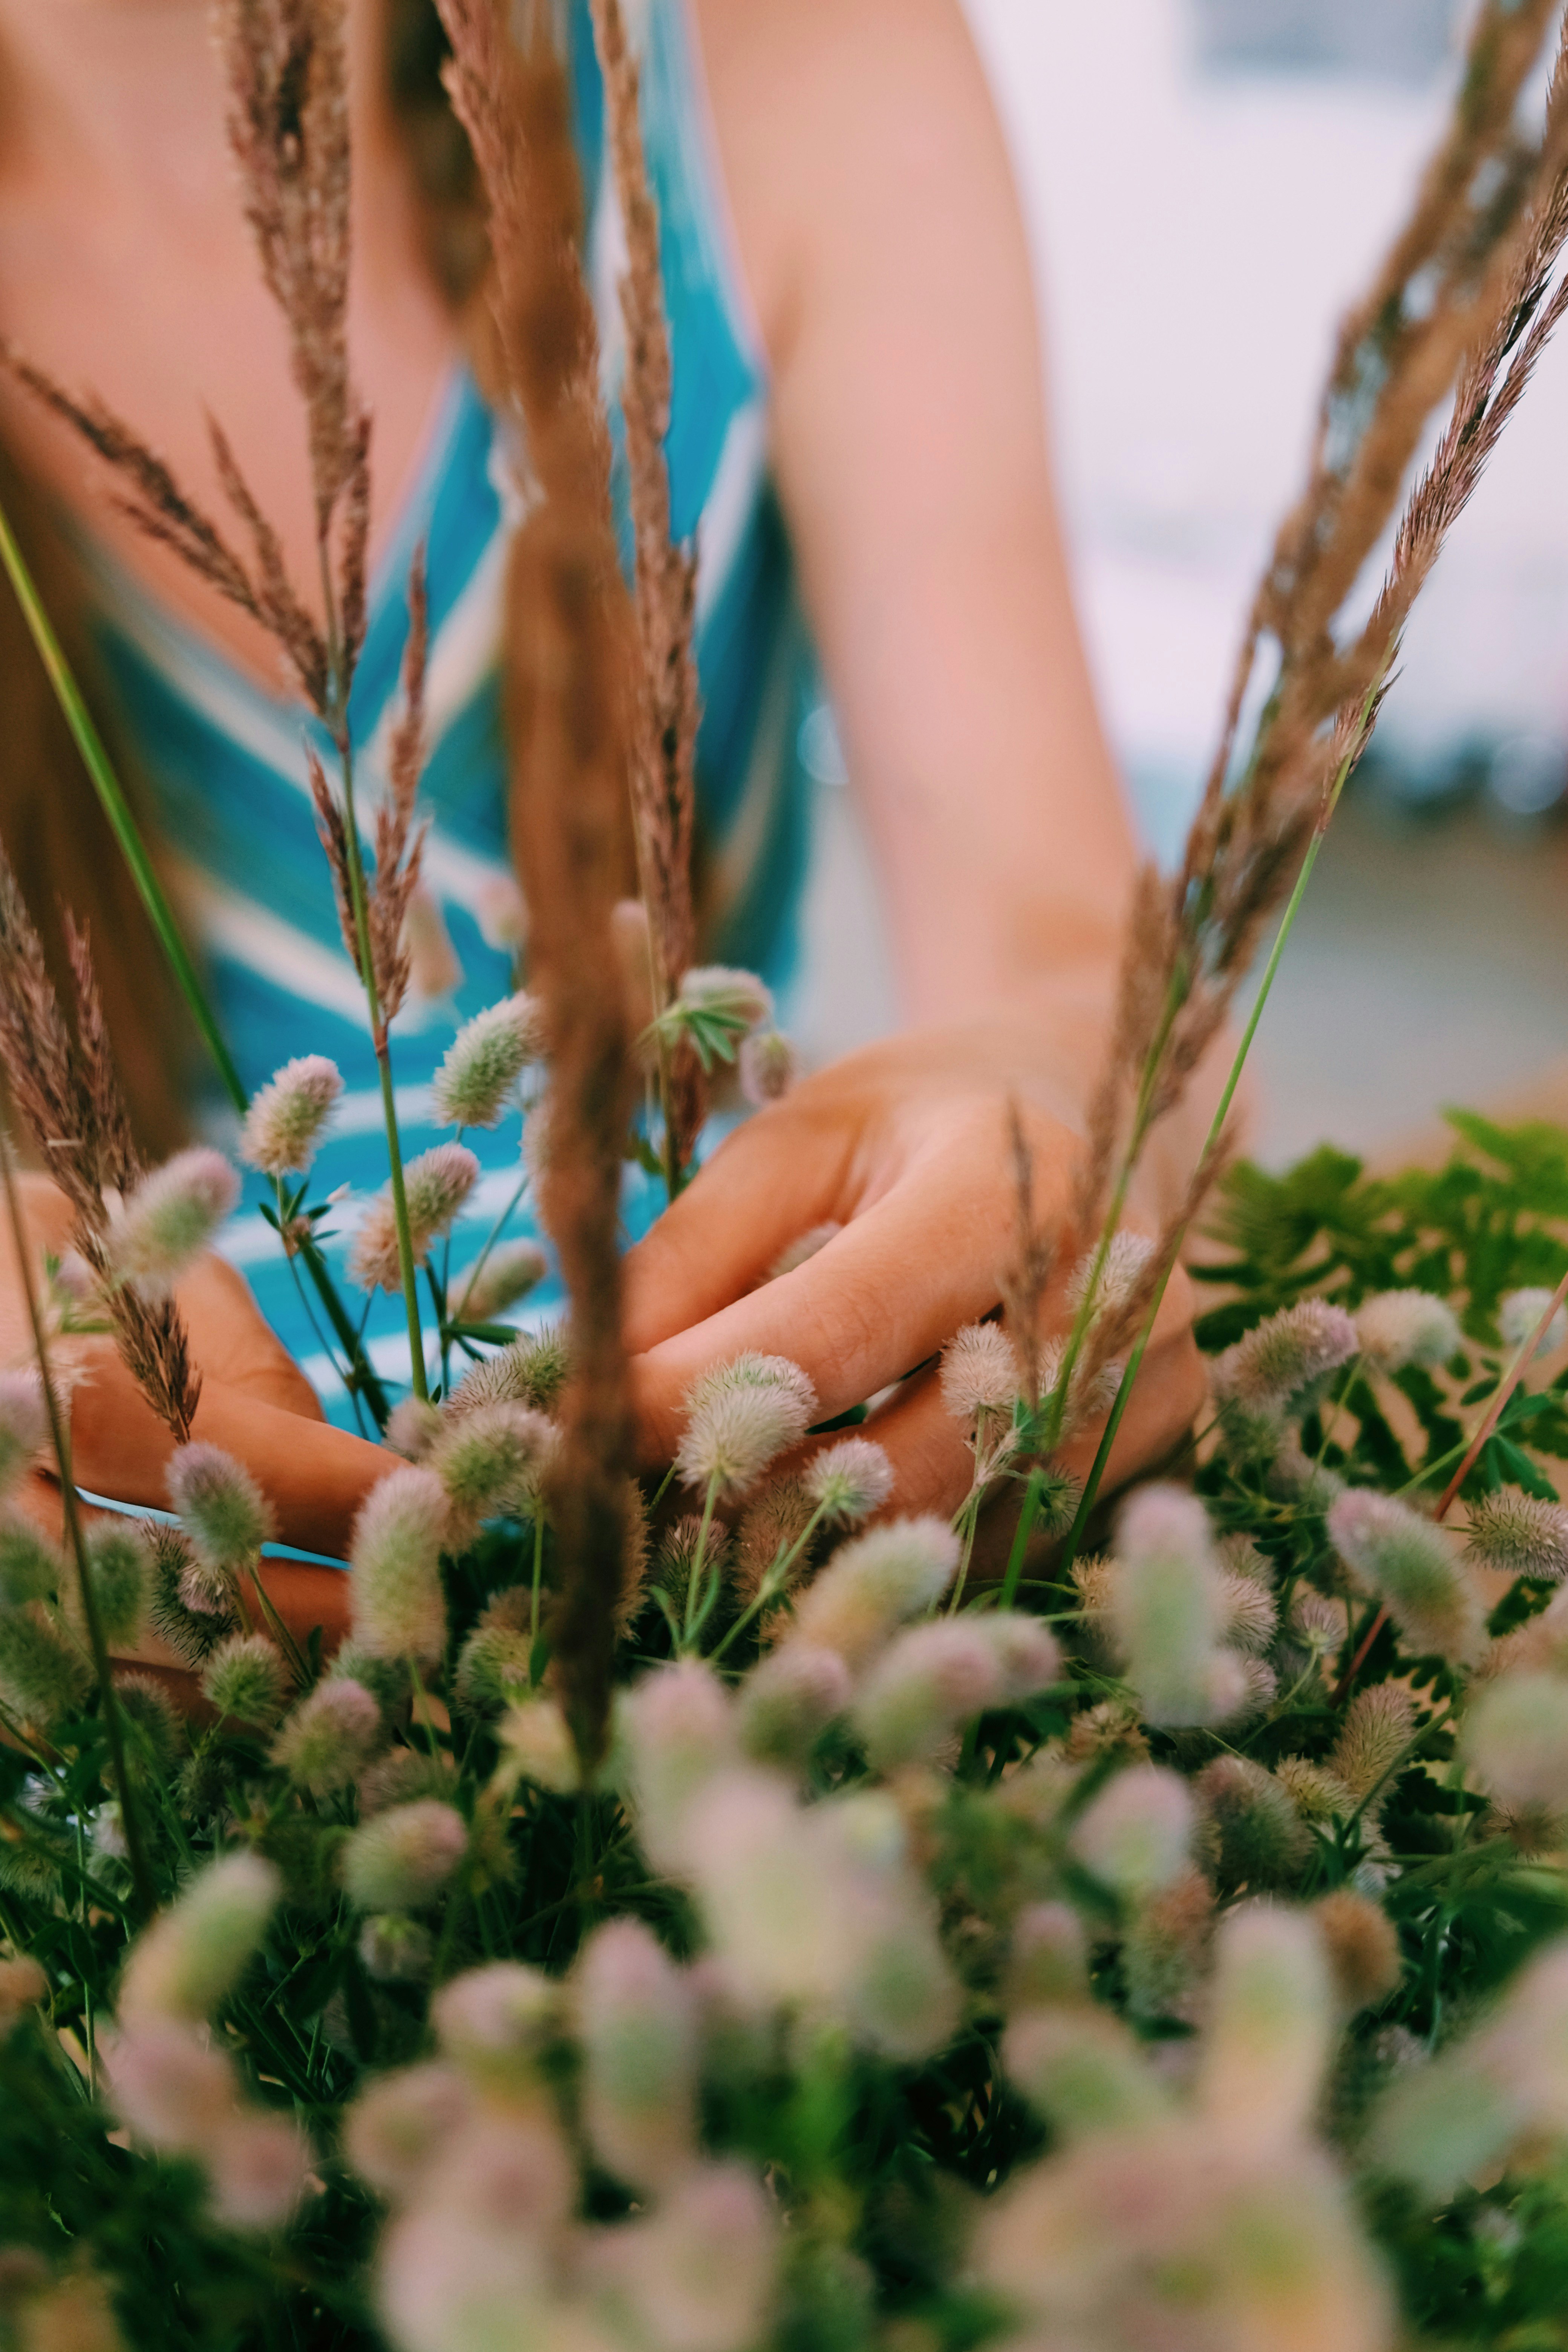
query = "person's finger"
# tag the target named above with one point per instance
(314, 1476)
(233, 1342)
(883, 1295)
(769, 1182)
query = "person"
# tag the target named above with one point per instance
(850, 299)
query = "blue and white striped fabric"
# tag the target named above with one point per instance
(227, 764)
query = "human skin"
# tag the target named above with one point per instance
(880, 242)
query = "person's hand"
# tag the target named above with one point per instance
(255, 1403)
(905, 1145)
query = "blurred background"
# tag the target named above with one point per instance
(1206, 182)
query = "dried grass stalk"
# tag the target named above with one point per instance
(665, 748)
(572, 646)
(64, 1090)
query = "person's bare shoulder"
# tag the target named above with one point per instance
(842, 116)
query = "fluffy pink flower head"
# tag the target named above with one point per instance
(739, 995)
(1407, 1327)
(926, 1683)
(162, 1228)
(481, 1293)
(698, 2272)
(223, 1510)
(193, 1954)
(400, 1860)
(436, 1185)
(23, 1984)
(637, 2027)
(677, 1728)
(412, 1428)
(24, 1425)
(284, 1124)
(980, 1372)
(399, 1607)
(787, 1702)
(169, 2087)
(848, 1481)
(257, 2165)
(1516, 1740)
(245, 1680)
(399, 2125)
(1415, 1569)
(1125, 1260)
(1521, 1310)
(1137, 1833)
(490, 1461)
(329, 1737)
(495, 2016)
(740, 1419)
(478, 1077)
(1283, 1358)
(1379, 1725)
(877, 1582)
(768, 1066)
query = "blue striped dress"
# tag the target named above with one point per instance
(226, 767)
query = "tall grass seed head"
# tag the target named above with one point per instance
(876, 1582)
(246, 1681)
(1519, 1313)
(787, 1702)
(330, 1737)
(1407, 1327)
(768, 1067)
(1379, 1725)
(733, 1435)
(401, 1859)
(637, 2029)
(1272, 2026)
(1515, 1738)
(1279, 1362)
(395, 1555)
(24, 1427)
(483, 1292)
(537, 1738)
(1518, 1535)
(287, 1118)
(195, 1954)
(31, 1568)
(490, 1463)
(257, 2165)
(771, 1525)
(221, 1508)
(478, 1077)
(1250, 1833)
(160, 1228)
(1136, 1835)
(42, 1675)
(1413, 1567)
(927, 1682)
(848, 1481)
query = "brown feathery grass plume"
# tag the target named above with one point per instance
(1024, 1282)
(64, 1088)
(1467, 287)
(572, 642)
(665, 748)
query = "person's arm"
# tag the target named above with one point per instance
(880, 236)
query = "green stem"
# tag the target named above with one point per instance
(1216, 1125)
(117, 809)
(60, 1437)
(1024, 1529)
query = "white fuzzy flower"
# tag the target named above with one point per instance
(742, 1417)
(1521, 1310)
(1407, 1327)
(1125, 1260)
(435, 1187)
(767, 1066)
(848, 1481)
(478, 1077)
(284, 1123)
(160, 1228)
(980, 1372)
